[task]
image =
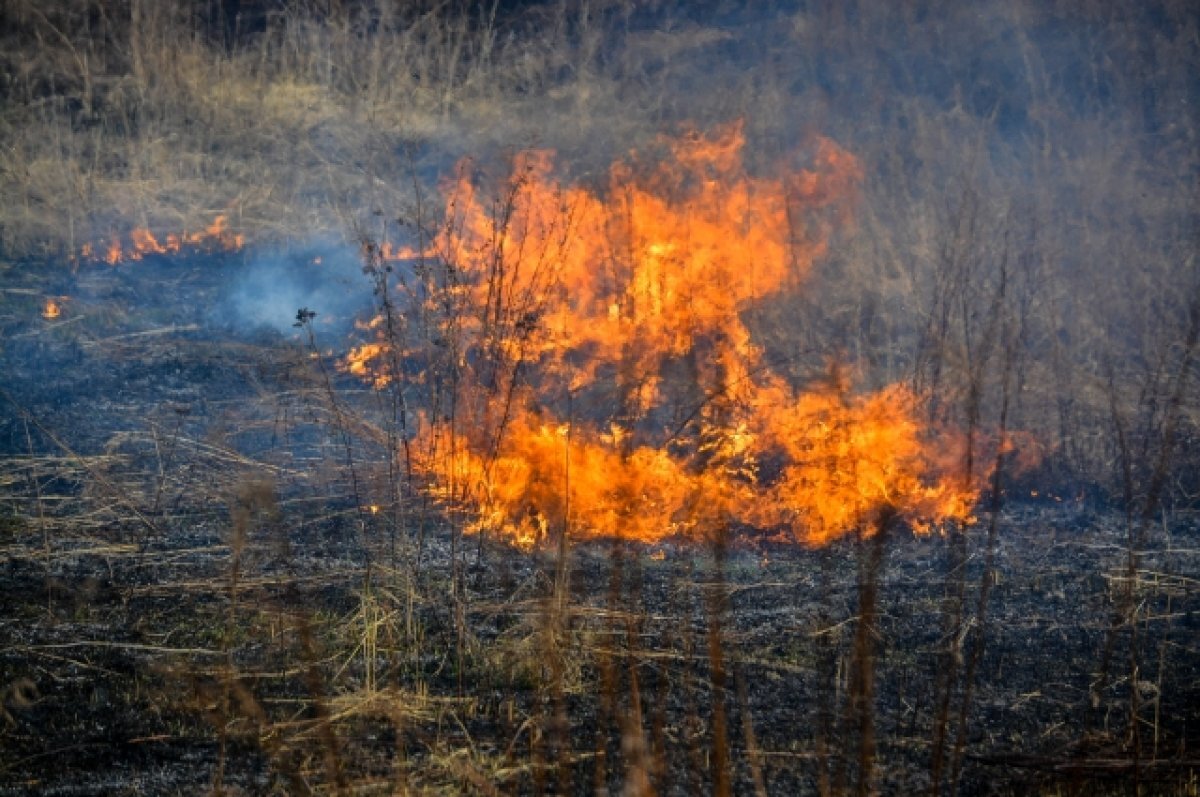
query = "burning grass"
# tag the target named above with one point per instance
(274, 552)
(142, 242)
(625, 307)
(618, 488)
(263, 660)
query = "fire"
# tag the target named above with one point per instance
(359, 362)
(848, 457)
(217, 233)
(52, 309)
(142, 242)
(392, 252)
(606, 384)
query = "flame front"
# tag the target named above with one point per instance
(594, 375)
(142, 242)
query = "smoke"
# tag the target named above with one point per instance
(323, 276)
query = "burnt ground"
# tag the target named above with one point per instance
(196, 596)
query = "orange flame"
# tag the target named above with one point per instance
(850, 457)
(142, 242)
(627, 306)
(52, 309)
(359, 363)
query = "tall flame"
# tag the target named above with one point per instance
(602, 379)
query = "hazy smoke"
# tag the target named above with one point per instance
(323, 276)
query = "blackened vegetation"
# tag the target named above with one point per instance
(201, 593)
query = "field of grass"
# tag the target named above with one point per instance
(232, 562)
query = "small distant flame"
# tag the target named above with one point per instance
(52, 309)
(393, 252)
(360, 363)
(217, 233)
(142, 242)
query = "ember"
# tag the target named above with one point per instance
(52, 309)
